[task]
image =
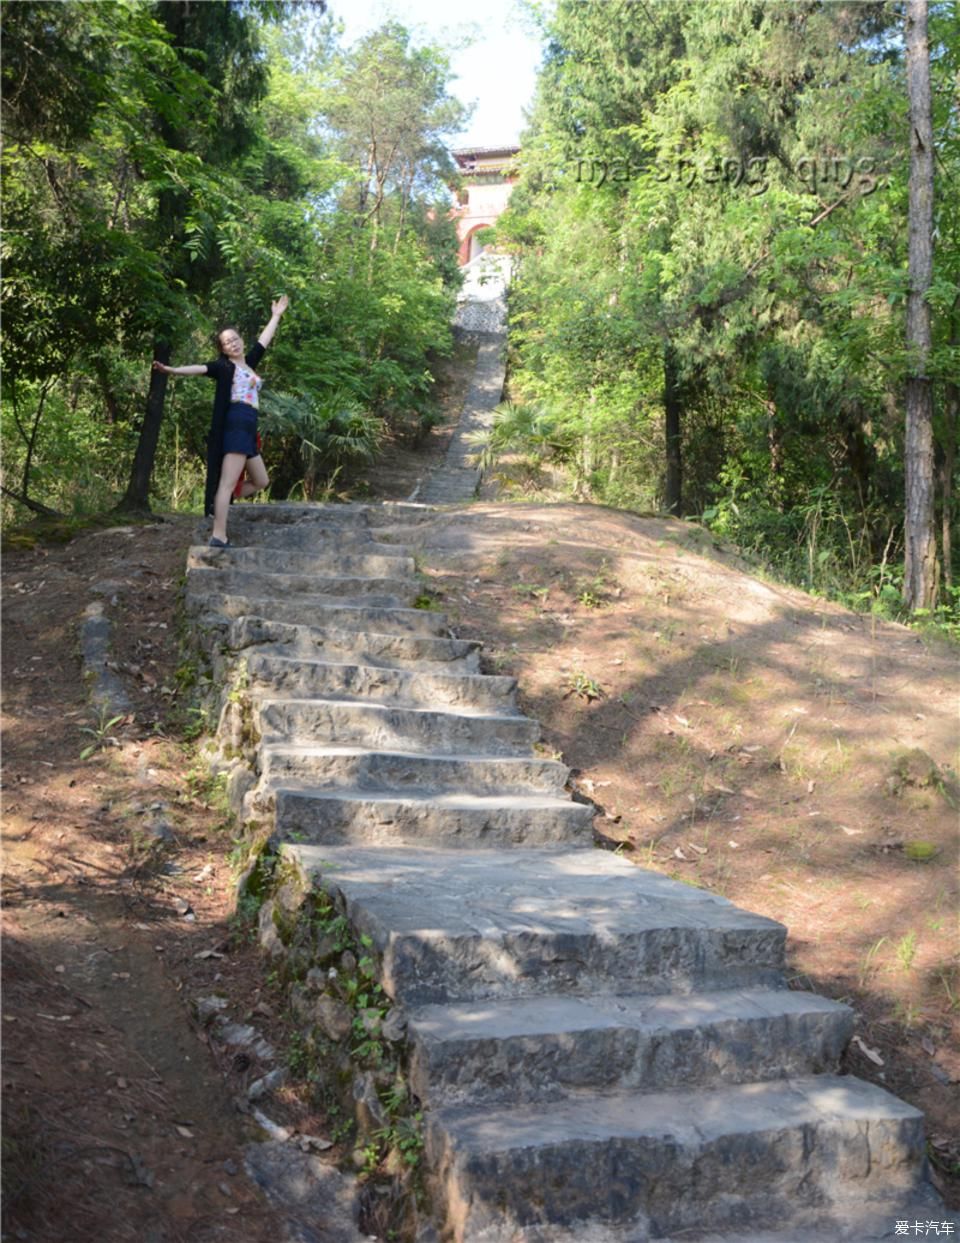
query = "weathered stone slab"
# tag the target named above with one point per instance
(105, 689)
(363, 769)
(452, 485)
(456, 820)
(318, 611)
(320, 1204)
(542, 1048)
(386, 592)
(351, 646)
(466, 925)
(458, 479)
(745, 1157)
(391, 728)
(330, 563)
(311, 538)
(842, 1223)
(303, 678)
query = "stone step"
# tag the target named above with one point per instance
(399, 513)
(385, 651)
(318, 611)
(543, 1048)
(452, 485)
(338, 722)
(386, 592)
(469, 925)
(747, 1157)
(849, 1222)
(401, 771)
(325, 563)
(313, 538)
(283, 514)
(356, 513)
(370, 817)
(302, 678)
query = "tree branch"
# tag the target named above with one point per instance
(34, 506)
(25, 482)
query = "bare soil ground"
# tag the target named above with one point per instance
(119, 1115)
(736, 734)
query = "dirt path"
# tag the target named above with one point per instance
(118, 1124)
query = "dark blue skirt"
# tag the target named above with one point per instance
(240, 429)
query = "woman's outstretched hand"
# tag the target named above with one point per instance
(277, 308)
(159, 366)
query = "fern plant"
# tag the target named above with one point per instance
(522, 428)
(334, 432)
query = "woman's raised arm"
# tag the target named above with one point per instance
(276, 310)
(190, 369)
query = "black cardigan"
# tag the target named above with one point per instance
(221, 370)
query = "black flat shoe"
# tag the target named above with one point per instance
(218, 543)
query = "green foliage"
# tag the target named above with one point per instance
(710, 231)
(169, 169)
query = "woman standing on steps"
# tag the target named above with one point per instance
(232, 442)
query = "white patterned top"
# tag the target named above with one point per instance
(246, 386)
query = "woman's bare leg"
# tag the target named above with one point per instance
(257, 478)
(230, 472)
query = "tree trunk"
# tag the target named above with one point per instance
(174, 15)
(920, 548)
(137, 496)
(672, 398)
(110, 400)
(31, 440)
(951, 418)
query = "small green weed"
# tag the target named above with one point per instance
(868, 961)
(596, 591)
(907, 1013)
(906, 950)
(530, 591)
(243, 921)
(298, 1057)
(241, 682)
(950, 990)
(584, 687)
(187, 674)
(197, 720)
(406, 1136)
(209, 790)
(100, 732)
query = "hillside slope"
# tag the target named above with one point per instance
(778, 749)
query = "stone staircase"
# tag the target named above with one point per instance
(458, 479)
(602, 1054)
